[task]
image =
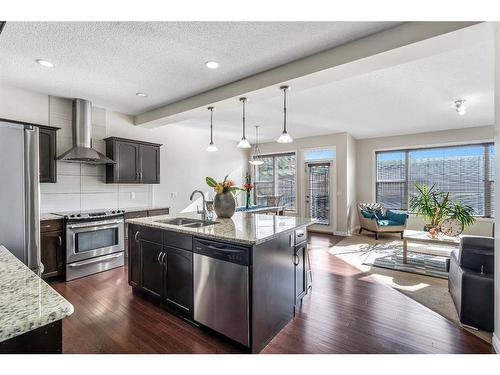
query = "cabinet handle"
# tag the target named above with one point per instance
(296, 263)
(159, 256)
(163, 259)
(135, 236)
(60, 240)
(45, 226)
(140, 176)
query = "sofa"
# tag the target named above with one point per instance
(373, 217)
(470, 281)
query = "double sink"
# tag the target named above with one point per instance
(186, 222)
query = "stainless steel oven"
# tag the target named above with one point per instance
(94, 243)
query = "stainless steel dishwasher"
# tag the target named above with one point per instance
(221, 288)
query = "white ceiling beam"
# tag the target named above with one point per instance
(371, 45)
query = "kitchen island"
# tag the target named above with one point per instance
(240, 277)
(30, 310)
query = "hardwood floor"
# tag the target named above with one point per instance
(346, 312)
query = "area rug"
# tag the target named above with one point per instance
(432, 292)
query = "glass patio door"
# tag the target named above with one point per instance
(318, 201)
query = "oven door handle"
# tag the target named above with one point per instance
(94, 224)
(96, 260)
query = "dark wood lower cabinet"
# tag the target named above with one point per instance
(44, 340)
(52, 248)
(178, 280)
(163, 272)
(300, 274)
(152, 270)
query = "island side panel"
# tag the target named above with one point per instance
(43, 340)
(272, 288)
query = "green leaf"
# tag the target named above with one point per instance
(211, 182)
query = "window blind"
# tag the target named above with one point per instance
(464, 171)
(276, 177)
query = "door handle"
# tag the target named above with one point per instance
(96, 260)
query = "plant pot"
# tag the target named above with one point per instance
(224, 205)
(429, 226)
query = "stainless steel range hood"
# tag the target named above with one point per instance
(82, 151)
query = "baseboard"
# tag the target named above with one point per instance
(496, 343)
(341, 233)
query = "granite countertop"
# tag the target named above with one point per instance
(26, 301)
(145, 208)
(49, 216)
(243, 228)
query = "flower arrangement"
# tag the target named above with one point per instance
(226, 186)
(248, 188)
(248, 183)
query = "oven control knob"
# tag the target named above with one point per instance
(113, 212)
(72, 215)
(78, 215)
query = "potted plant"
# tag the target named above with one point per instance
(224, 203)
(435, 206)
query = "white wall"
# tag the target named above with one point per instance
(340, 142)
(184, 161)
(365, 163)
(496, 334)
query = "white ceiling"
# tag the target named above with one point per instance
(108, 62)
(412, 97)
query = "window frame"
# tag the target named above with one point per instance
(487, 182)
(275, 176)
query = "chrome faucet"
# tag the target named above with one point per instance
(203, 211)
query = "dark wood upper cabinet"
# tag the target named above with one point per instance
(137, 162)
(47, 150)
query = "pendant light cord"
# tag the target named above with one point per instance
(211, 124)
(244, 101)
(285, 89)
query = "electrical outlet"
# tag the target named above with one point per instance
(173, 195)
(132, 195)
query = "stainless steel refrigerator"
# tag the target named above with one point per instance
(20, 193)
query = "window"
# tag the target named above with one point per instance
(464, 171)
(276, 177)
(319, 154)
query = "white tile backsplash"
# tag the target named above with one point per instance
(82, 186)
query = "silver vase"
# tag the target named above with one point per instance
(224, 205)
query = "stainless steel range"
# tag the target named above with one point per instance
(94, 242)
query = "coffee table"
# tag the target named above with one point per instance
(420, 236)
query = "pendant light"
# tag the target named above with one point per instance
(211, 147)
(284, 137)
(244, 142)
(256, 157)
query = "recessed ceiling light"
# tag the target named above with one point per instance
(212, 64)
(45, 63)
(141, 94)
(460, 106)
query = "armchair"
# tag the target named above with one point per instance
(373, 217)
(470, 281)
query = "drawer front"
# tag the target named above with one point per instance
(50, 225)
(176, 239)
(136, 214)
(300, 235)
(149, 234)
(158, 212)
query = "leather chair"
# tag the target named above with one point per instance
(470, 281)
